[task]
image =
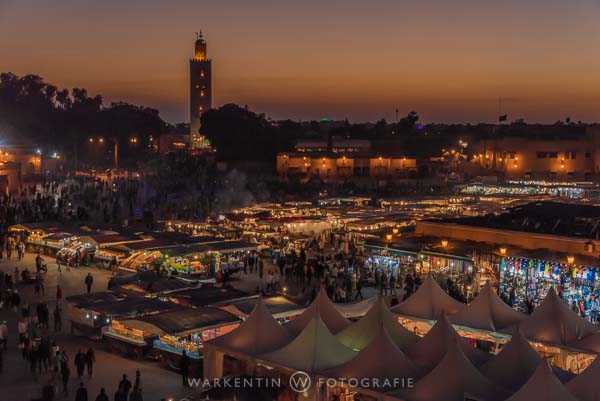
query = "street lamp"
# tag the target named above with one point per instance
(444, 243)
(115, 141)
(503, 251)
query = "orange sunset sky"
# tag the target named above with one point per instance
(448, 60)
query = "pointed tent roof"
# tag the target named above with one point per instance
(454, 379)
(258, 334)
(381, 359)
(542, 386)
(356, 309)
(589, 343)
(428, 302)
(586, 386)
(431, 348)
(553, 322)
(322, 306)
(358, 335)
(515, 363)
(314, 349)
(487, 312)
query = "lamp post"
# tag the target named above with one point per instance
(115, 141)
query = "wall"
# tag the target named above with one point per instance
(575, 246)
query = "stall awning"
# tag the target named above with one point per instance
(183, 321)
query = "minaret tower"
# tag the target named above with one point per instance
(200, 91)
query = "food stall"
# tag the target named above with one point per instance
(187, 330)
(140, 260)
(89, 313)
(282, 309)
(167, 334)
(76, 250)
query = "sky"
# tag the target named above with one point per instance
(450, 60)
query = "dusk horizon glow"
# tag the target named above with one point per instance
(344, 59)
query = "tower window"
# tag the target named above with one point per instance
(202, 74)
(197, 86)
(201, 93)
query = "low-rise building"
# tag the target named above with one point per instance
(341, 160)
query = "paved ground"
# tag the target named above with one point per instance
(18, 384)
(16, 381)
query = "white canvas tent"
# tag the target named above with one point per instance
(314, 349)
(258, 334)
(322, 306)
(515, 363)
(487, 312)
(357, 309)
(431, 348)
(428, 302)
(586, 386)
(358, 335)
(381, 359)
(554, 323)
(543, 385)
(455, 378)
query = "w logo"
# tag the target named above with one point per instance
(300, 381)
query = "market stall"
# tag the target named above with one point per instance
(140, 260)
(526, 279)
(170, 333)
(282, 309)
(89, 313)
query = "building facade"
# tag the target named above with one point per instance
(567, 157)
(341, 160)
(200, 91)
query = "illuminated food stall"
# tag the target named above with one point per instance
(89, 313)
(282, 309)
(105, 255)
(140, 260)
(34, 234)
(170, 333)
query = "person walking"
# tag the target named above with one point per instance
(359, 286)
(185, 368)
(4, 335)
(138, 379)
(82, 394)
(90, 358)
(89, 280)
(65, 373)
(125, 386)
(102, 396)
(20, 250)
(393, 284)
(57, 318)
(58, 294)
(79, 363)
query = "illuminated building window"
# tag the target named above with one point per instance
(200, 108)
(201, 93)
(202, 74)
(197, 86)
